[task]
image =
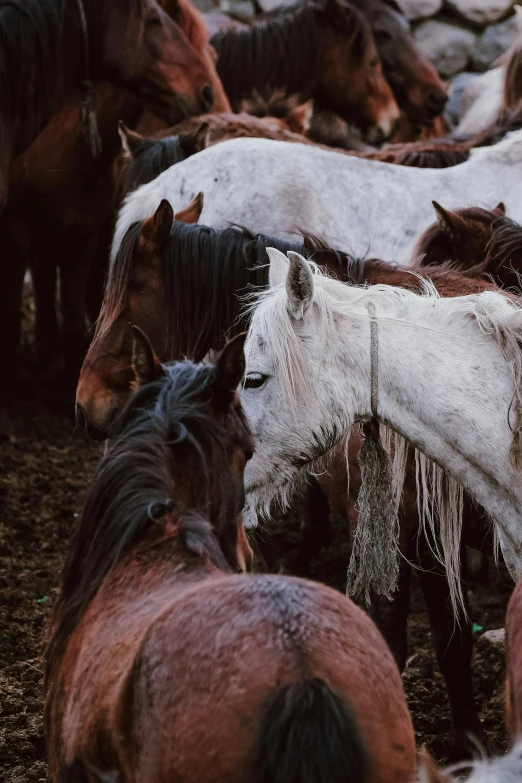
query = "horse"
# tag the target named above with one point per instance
(152, 629)
(448, 414)
(187, 292)
(416, 85)
(54, 46)
(161, 258)
(146, 157)
(327, 192)
(61, 198)
(448, 151)
(322, 50)
(484, 240)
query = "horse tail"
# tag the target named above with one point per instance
(308, 735)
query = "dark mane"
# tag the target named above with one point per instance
(155, 158)
(41, 60)
(133, 487)
(434, 159)
(504, 251)
(206, 272)
(281, 52)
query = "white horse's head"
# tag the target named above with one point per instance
(290, 393)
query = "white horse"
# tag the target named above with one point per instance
(447, 377)
(363, 206)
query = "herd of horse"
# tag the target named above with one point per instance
(256, 300)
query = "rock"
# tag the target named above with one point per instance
(447, 46)
(458, 86)
(270, 5)
(496, 638)
(419, 9)
(493, 42)
(480, 12)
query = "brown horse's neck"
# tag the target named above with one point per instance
(44, 59)
(447, 282)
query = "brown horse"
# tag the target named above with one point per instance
(48, 47)
(154, 277)
(416, 85)
(61, 198)
(323, 50)
(145, 157)
(162, 665)
(485, 241)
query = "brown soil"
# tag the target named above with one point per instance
(44, 473)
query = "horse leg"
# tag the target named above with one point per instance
(46, 327)
(391, 615)
(453, 648)
(74, 277)
(315, 531)
(13, 272)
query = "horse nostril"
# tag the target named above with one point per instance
(81, 418)
(436, 100)
(206, 98)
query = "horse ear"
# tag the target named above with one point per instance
(145, 364)
(192, 213)
(155, 231)
(133, 143)
(300, 118)
(501, 207)
(299, 285)
(448, 221)
(230, 366)
(278, 267)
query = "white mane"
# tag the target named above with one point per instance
(488, 316)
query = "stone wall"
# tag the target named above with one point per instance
(462, 35)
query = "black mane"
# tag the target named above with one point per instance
(206, 274)
(133, 486)
(42, 57)
(504, 253)
(281, 51)
(157, 156)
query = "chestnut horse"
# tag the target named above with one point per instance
(322, 50)
(159, 269)
(60, 198)
(163, 665)
(485, 241)
(417, 87)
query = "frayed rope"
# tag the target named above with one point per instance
(374, 564)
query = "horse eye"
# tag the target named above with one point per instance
(154, 21)
(374, 63)
(254, 380)
(381, 36)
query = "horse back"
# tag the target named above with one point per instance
(211, 666)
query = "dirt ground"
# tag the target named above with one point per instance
(44, 473)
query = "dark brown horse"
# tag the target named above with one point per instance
(48, 47)
(161, 664)
(61, 198)
(416, 85)
(323, 50)
(484, 241)
(159, 269)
